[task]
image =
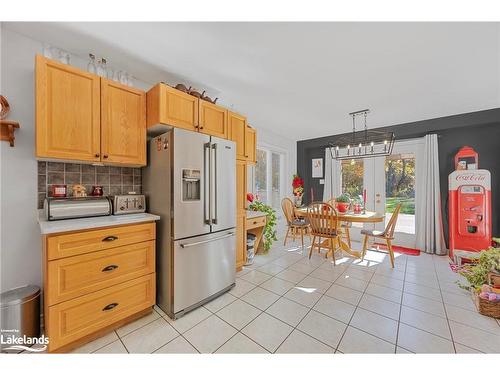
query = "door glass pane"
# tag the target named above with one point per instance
(352, 180)
(400, 188)
(261, 176)
(275, 178)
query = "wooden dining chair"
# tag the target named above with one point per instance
(344, 225)
(324, 223)
(294, 224)
(387, 234)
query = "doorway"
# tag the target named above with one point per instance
(388, 181)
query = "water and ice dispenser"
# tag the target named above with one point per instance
(191, 184)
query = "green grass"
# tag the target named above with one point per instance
(407, 205)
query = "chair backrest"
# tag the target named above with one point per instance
(288, 210)
(391, 225)
(323, 219)
(332, 202)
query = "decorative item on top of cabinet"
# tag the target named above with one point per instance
(169, 106)
(67, 112)
(213, 119)
(251, 145)
(123, 124)
(237, 132)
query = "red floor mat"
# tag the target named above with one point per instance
(398, 249)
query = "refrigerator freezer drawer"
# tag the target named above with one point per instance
(203, 266)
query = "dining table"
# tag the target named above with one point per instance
(347, 217)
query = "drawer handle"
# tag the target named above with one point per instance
(109, 238)
(255, 222)
(110, 268)
(111, 306)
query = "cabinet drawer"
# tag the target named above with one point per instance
(79, 317)
(255, 222)
(73, 277)
(65, 245)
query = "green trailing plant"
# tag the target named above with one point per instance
(476, 273)
(269, 235)
(343, 198)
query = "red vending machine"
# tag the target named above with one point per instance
(469, 204)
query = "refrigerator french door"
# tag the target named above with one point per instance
(190, 183)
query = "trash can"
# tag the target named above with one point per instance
(250, 248)
(20, 312)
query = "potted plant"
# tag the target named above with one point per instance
(298, 189)
(343, 202)
(269, 235)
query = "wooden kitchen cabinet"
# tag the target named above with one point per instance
(169, 106)
(251, 145)
(212, 119)
(241, 241)
(67, 112)
(83, 117)
(123, 124)
(96, 280)
(237, 133)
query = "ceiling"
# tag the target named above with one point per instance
(300, 80)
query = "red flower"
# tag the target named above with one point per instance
(250, 197)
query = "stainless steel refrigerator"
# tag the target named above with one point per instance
(190, 182)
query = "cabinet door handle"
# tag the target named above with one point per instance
(97, 155)
(109, 238)
(105, 156)
(111, 306)
(110, 268)
(255, 222)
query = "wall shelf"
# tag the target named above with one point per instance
(7, 128)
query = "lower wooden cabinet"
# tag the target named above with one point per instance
(95, 280)
(251, 145)
(71, 320)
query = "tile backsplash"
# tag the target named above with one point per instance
(114, 180)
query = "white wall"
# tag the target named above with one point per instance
(20, 253)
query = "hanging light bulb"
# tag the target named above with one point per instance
(337, 151)
(359, 149)
(371, 146)
(348, 149)
(385, 145)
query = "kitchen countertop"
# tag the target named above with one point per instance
(59, 226)
(252, 214)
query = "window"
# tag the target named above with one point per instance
(400, 188)
(352, 178)
(268, 177)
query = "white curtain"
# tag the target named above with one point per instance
(333, 177)
(429, 225)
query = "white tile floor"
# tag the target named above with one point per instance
(286, 303)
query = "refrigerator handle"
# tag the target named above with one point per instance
(215, 218)
(206, 182)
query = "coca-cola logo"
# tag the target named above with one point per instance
(470, 177)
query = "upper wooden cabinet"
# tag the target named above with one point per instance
(251, 144)
(83, 117)
(67, 112)
(212, 119)
(241, 186)
(123, 124)
(237, 133)
(168, 106)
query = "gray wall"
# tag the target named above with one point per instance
(480, 130)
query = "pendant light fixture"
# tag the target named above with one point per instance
(363, 143)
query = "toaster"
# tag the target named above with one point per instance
(128, 204)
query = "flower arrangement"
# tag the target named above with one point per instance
(298, 185)
(476, 273)
(343, 198)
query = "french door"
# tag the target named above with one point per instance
(388, 181)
